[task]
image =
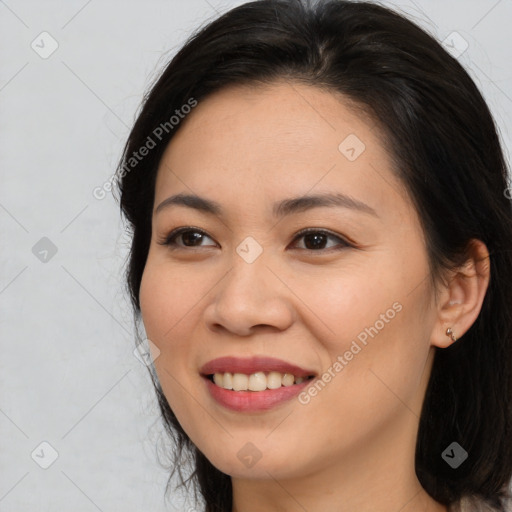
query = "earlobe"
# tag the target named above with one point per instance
(463, 296)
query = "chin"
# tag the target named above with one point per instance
(248, 462)
(261, 470)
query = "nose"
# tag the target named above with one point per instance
(249, 298)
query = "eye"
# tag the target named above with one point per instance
(188, 235)
(315, 239)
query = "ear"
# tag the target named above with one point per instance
(460, 300)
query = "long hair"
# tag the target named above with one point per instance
(445, 149)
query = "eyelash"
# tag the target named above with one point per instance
(169, 240)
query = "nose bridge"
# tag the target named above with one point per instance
(248, 267)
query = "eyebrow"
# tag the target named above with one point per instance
(280, 209)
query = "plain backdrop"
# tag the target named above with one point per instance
(78, 420)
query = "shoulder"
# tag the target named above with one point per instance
(473, 504)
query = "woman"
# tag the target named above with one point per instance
(322, 258)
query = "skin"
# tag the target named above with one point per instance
(351, 447)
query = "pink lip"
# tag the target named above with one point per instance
(252, 365)
(247, 401)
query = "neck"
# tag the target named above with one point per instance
(316, 494)
(379, 476)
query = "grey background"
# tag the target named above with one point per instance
(68, 375)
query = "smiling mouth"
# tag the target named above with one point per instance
(258, 381)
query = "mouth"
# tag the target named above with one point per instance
(257, 381)
(254, 384)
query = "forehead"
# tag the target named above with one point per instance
(274, 119)
(275, 139)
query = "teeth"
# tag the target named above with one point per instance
(288, 379)
(218, 379)
(227, 381)
(258, 381)
(240, 382)
(274, 380)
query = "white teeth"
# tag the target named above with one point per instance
(240, 382)
(218, 379)
(258, 381)
(288, 379)
(274, 380)
(226, 381)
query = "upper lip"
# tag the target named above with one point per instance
(252, 365)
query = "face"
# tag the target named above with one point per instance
(348, 301)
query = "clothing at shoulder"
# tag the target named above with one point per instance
(469, 504)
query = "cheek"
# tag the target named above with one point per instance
(151, 298)
(156, 304)
(349, 303)
(161, 313)
(164, 305)
(167, 302)
(373, 324)
(165, 299)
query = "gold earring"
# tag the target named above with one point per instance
(449, 332)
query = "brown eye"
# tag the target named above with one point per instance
(315, 240)
(190, 237)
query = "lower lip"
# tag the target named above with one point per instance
(246, 401)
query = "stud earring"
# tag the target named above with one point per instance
(449, 332)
